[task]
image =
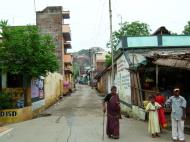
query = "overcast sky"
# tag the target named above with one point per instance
(90, 19)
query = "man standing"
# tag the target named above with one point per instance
(178, 104)
(113, 113)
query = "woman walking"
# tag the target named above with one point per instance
(113, 113)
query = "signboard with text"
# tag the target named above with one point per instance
(123, 81)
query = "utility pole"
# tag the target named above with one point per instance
(92, 65)
(111, 43)
(35, 10)
(35, 6)
(121, 21)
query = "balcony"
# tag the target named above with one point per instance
(67, 45)
(68, 69)
(66, 32)
(68, 59)
(66, 14)
(66, 28)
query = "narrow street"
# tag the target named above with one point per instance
(78, 118)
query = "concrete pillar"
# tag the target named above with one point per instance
(157, 71)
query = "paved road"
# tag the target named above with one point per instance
(78, 118)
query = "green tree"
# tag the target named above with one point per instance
(108, 59)
(24, 51)
(75, 70)
(135, 28)
(187, 28)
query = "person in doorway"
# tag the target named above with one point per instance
(153, 122)
(113, 113)
(160, 99)
(178, 105)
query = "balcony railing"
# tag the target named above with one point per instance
(67, 45)
(68, 59)
(68, 69)
(66, 32)
(66, 28)
(66, 14)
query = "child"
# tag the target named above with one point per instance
(153, 122)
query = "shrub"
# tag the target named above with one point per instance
(6, 101)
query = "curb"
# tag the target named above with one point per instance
(4, 130)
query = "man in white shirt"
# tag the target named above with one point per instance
(178, 104)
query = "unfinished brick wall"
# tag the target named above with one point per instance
(49, 22)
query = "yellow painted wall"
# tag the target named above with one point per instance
(102, 85)
(15, 115)
(53, 88)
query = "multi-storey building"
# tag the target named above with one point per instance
(99, 61)
(68, 83)
(51, 21)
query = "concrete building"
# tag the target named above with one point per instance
(97, 64)
(99, 61)
(51, 21)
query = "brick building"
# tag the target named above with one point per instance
(51, 21)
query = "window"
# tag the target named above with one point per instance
(14, 81)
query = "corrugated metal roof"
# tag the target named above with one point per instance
(184, 64)
(171, 52)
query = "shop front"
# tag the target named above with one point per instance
(168, 71)
(153, 64)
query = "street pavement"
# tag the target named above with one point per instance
(78, 118)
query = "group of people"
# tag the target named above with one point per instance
(155, 109)
(157, 119)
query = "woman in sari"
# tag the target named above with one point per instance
(113, 113)
(161, 114)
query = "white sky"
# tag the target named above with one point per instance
(90, 20)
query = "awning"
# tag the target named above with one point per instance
(184, 64)
(135, 60)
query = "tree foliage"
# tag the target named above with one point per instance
(187, 28)
(24, 51)
(76, 68)
(135, 28)
(108, 59)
